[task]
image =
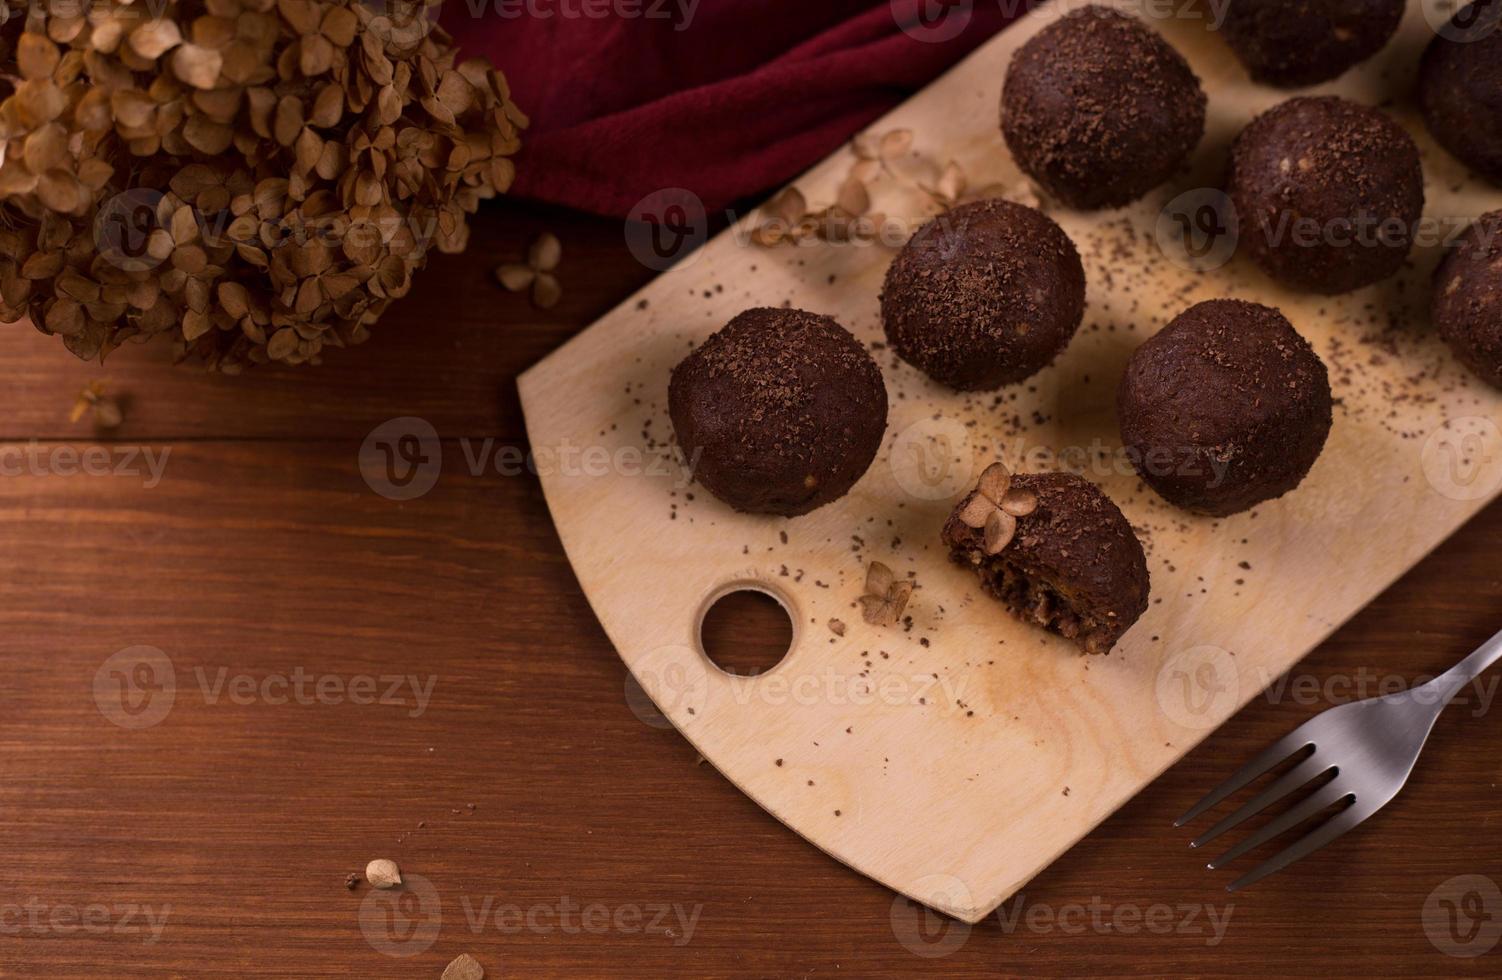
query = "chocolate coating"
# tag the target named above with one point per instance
(1292, 43)
(780, 412)
(1225, 408)
(1074, 567)
(1327, 192)
(1460, 88)
(1099, 109)
(984, 296)
(1467, 306)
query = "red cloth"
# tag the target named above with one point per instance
(748, 96)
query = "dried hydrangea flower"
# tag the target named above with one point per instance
(542, 261)
(255, 179)
(886, 596)
(996, 507)
(92, 401)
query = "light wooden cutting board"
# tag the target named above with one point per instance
(955, 759)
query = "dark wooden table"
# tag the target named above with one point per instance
(542, 824)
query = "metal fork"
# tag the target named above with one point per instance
(1371, 748)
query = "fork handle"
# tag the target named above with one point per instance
(1451, 682)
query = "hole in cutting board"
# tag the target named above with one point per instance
(746, 631)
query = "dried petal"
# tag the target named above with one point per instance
(195, 325)
(995, 482)
(207, 136)
(464, 967)
(866, 171)
(898, 596)
(234, 298)
(155, 38)
(877, 611)
(107, 413)
(886, 610)
(198, 66)
(36, 56)
(547, 291)
(977, 511)
(896, 143)
(60, 191)
(515, 277)
(300, 15)
(282, 345)
(951, 183)
(1001, 527)
(317, 55)
(879, 579)
(770, 234)
(339, 26)
(789, 207)
(46, 149)
(854, 199)
(289, 120)
(328, 106)
(545, 253)
(1019, 503)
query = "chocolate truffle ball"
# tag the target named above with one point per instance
(1225, 408)
(1099, 109)
(1327, 193)
(984, 296)
(1467, 304)
(1292, 43)
(780, 412)
(1072, 563)
(1460, 88)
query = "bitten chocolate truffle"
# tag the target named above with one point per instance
(1467, 306)
(1292, 43)
(1056, 551)
(781, 412)
(1460, 88)
(1327, 193)
(984, 296)
(1225, 408)
(1099, 109)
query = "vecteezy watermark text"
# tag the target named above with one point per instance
(939, 21)
(567, 916)
(300, 687)
(35, 917)
(402, 459)
(34, 459)
(930, 935)
(136, 688)
(1126, 919)
(407, 920)
(679, 12)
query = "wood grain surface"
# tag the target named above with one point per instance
(263, 554)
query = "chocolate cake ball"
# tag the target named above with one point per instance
(984, 296)
(1056, 551)
(1327, 193)
(1460, 88)
(780, 412)
(1467, 304)
(1225, 408)
(1099, 109)
(1293, 43)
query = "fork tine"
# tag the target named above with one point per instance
(1328, 794)
(1313, 841)
(1264, 760)
(1306, 771)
